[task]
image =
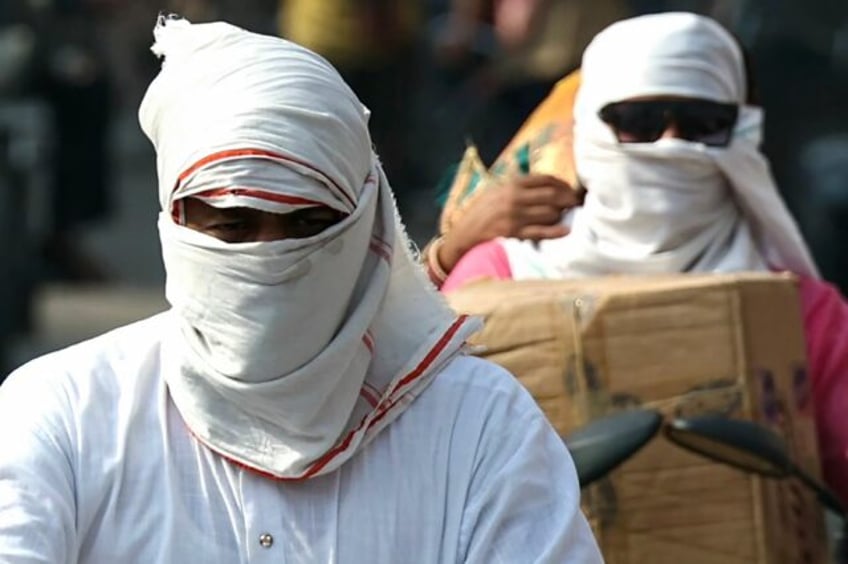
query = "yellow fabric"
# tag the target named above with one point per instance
(548, 133)
(547, 138)
(339, 30)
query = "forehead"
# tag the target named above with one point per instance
(197, 208)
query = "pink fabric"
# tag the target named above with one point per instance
(825, 318)
(825, 314)
(486, 260)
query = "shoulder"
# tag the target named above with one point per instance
(484, 413)
(467, 370)
(822, 305)
(814, 290)
(82, 376)
(63, 441)
(481, 388)
(513, 472)
(122, 346)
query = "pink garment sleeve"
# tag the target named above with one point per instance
(486, 260)
(825, 314)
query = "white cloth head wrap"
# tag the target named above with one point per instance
(671, 205)
(287, 356)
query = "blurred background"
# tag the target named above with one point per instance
(79, 248)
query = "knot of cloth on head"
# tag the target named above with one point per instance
(222, 90)
(286, 356)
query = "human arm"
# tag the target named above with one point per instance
(37, 508)
(825, 314)
(524, 207)
(524, 500)
(485, 261)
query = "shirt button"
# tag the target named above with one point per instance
(266, 540)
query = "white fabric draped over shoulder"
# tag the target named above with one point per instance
(96, 466)
(188, 436)
(290, 355)
(671, 205)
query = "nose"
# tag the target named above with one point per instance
(671, 131)
(272, 227)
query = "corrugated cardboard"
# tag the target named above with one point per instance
(731, 344)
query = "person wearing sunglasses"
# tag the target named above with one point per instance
(667, 146)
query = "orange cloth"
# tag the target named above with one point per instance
(547, 138)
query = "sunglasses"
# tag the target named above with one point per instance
(645, 121)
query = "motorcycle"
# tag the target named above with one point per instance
(605, 443)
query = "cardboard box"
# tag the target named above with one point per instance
(731, 344)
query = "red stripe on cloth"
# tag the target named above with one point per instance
(332, 453)
(423, 365)
(265, 474)
(385, 410)
(259, 195)
(416, 373)
(369, 397)
(259, 153)
(369, 342)
(374, 390)
(380, 252)
(343, 446)
(376, 239)
(434, 352)
(231, 460)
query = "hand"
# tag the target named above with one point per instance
(524, 207)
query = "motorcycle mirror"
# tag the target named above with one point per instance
(742, 444)
(601, 445)
(745, 445)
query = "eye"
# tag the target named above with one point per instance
(228, 226)
(311, 221)
(231, 231)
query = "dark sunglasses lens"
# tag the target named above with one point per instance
(634, 122)
(705, 122)
(708, 123)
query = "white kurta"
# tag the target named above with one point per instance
(96, 466)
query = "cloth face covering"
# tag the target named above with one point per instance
(259, 310)
(671, 205)
(286, 356)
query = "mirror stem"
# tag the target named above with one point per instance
(825, 496)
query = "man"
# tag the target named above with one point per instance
(307, 398)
